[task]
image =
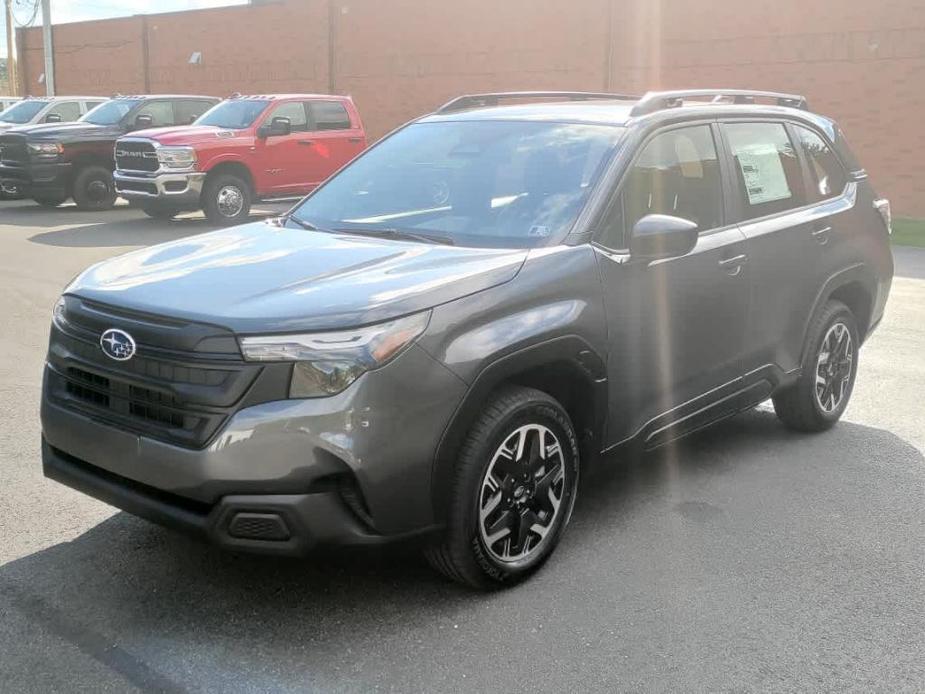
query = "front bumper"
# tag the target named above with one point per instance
(355, 468)
(182, 189)
(35, 178)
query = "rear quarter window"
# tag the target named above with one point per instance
(826, 173)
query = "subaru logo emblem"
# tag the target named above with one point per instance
(117, 344)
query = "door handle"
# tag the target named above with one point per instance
(733, 265)
(822, 235)
(354, 139)
(306, 143)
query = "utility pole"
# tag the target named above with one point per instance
(49, 48)
(10, 51)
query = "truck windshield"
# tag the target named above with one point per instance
(474, 183)
(233, 115)
(23, 112)
(110, 112)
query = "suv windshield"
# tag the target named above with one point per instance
(110, 112)
(476, 183)
(23, 112)
(233, 115)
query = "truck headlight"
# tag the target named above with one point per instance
(46, 149)
(177, 157)
(326, 363)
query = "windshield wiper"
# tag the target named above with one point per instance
(308, 226)
(400, 234)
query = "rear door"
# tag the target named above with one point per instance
(335, 139)
(787, 236)
(188, 110)
(676, 326)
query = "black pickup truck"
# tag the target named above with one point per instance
(56, 161)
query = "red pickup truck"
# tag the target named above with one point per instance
(246, 148)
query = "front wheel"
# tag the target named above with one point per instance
(513, 491)
(830, 363)
(94, 189)
(226, 199)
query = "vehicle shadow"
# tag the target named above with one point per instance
(909, 262)
(149, 604)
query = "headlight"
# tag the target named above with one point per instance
(326, 363)
(57, 314)
(46, 149)
(177, 157)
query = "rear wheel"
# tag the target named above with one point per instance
(160, 211)
(94, 188)
(513, 491)
(226, 199)
(830, 362)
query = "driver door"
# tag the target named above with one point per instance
(285, 159)
(676, 325)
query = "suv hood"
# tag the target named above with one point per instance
(184, 134)
(67, 132)
(260, 278)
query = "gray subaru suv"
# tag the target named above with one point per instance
(435, 343)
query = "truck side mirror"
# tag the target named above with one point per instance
(278, 127)
(662, 236)
(53, 118)
(143, 121)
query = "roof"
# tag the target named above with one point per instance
(164, 96)
(619, 110)
(272, 97)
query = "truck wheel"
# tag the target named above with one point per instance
(226, 199)
(94, 189)
(830, 363)
(50, 200)
(160, 211)
(512, 493)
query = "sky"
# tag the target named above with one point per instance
(78, 10)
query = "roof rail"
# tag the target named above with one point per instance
(658, 101)
(461, 103)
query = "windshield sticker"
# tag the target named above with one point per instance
(763, 173)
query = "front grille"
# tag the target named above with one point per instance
(13, 150)
(175, 395)
(136, 186)
(136, 156)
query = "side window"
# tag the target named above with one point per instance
(677, 173)
(329, 115)
(68, 110)
(188, 111)
(827, 176)
(295, 112)
(767, 168)
(161, 113)
(90, 105)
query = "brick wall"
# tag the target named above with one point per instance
(859, 61)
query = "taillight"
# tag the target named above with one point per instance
(883, 207)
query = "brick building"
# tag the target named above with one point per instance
(859, 61)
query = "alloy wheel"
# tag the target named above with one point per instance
(521, 495)
(833, 368)
(230, 201)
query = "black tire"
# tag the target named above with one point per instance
(215, 195)
(800, 406)
(50, 201)
(160, 211)
(462, 554)
(94, 189)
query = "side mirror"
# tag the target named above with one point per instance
(278, 127)
(53, 118)
(662, 236)
(143, 121)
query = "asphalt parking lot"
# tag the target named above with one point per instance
(746, 559)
